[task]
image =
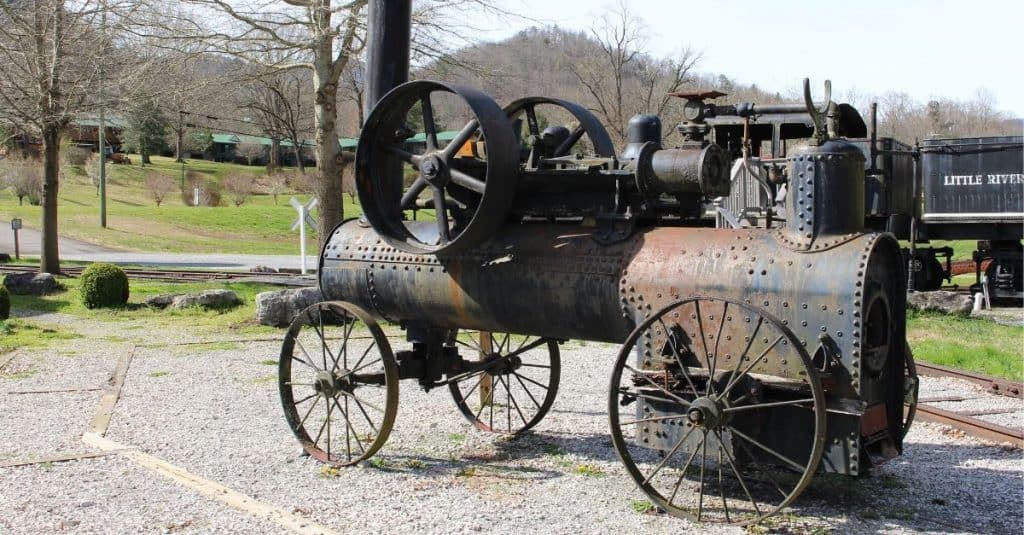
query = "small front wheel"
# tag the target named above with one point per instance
(515, 386)
(339, 383)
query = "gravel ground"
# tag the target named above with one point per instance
(216, 413)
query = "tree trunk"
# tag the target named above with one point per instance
(298, 157)
(274, 158)
(328, 151)
(144, 157)
(49, 260)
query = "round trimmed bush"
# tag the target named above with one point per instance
(5, 303)
(104, 285)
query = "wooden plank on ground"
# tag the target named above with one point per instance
(108, 400)
(60, 458)
(5, 359)
(212, 489)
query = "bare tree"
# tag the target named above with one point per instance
(92, 170)
(47, 48)
(320, 36)
(621, 78)
(250, 151)
(23, 176)
(158, 185)
(277, 183)
(239, 187)
(279, 102)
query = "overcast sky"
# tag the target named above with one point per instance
(928, 49)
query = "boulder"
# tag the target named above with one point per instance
(278, 308)
(941, 301)
(206, 299)
(32, 284)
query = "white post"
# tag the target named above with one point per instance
(195, 197)
(302, 236)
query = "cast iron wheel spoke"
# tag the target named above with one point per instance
(531, 120)
(460, 139)
(563, 148)
(413, 193)
(653, 414)
(643, 376)
(679, 358)
(404, 155)
(444, 234)
(344, 322)
(793, 464)
(667, 457)
(429, 126)
(467, 181)
(767, 405)
(310, 361)
(495, 371)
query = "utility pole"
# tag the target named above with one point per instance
(102, 129)
(181, 145)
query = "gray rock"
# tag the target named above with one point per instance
(32, 284)
(941, 301)
(207, 299)
(161, 301)
(263, 269)
(278, 308)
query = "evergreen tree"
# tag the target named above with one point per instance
(147, 127)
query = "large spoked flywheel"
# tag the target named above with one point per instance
(338, 381)
(425, 189)
(716, 411)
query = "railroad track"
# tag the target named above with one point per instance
(164, 274)
(969, 422)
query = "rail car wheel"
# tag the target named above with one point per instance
(587, 124)
(470, 192)
(911, 387)
(339, 383)
(717, 411)
(515, 387)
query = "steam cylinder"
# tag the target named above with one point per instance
(826, 196)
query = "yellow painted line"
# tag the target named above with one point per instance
(212, 489)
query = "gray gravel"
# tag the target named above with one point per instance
(217, 414)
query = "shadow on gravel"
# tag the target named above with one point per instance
(930, 489)
(467, 466)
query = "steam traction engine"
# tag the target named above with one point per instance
(751, 359)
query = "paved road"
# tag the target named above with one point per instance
(29, 243)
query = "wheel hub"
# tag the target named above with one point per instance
(706, 412)
(330, 385)
(434, 171)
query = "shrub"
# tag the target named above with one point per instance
(73, 155)
(277, 183)
(239, 187)
(24, 176)
(158, 185)
(5, 303)
(104, 285)
(92, 170)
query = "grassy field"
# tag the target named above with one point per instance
(134, 222)
(967, 343)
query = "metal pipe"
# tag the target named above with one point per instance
(874, 136)
(913, 216)
(389, 25)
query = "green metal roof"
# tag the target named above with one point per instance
(111, 122)
(447, 135)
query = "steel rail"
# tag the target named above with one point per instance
(972, 426)
(995, 385)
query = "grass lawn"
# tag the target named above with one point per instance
(136, 317)
(134, 222)
(967, 343)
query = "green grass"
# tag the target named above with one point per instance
(135, 223)
(967, 343)
(17, 333)
(962, 249)
(239, 320)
